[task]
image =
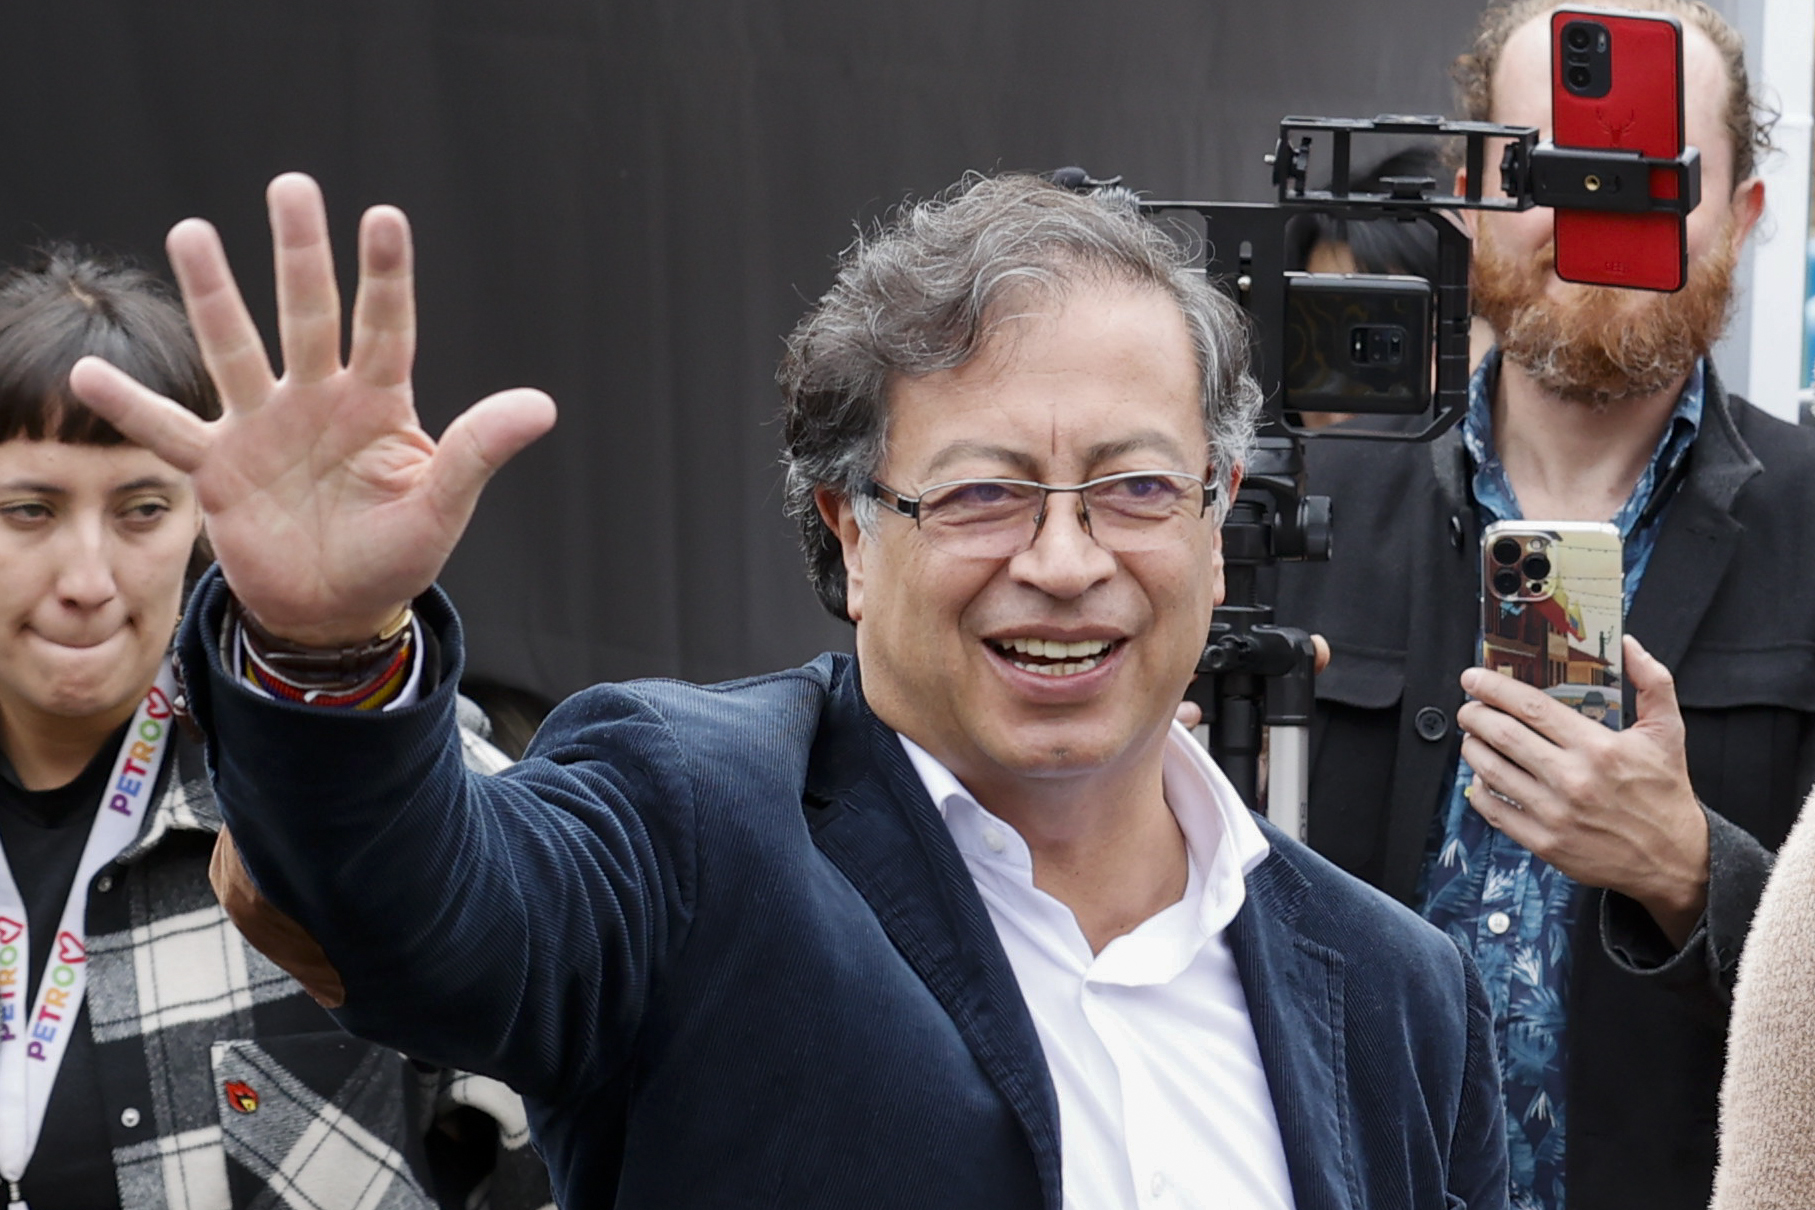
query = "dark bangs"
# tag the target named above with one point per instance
(67, 304)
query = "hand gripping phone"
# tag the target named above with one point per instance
(1551, 607)
(1616, 82)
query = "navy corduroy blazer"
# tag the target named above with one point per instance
(722, 942)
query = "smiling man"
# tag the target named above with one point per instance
(962, 922)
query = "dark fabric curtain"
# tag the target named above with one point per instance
(630, 204)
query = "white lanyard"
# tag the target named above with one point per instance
(31, 1048)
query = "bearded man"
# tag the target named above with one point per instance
(1603, 880)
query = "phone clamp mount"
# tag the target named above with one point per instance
(1624, 182)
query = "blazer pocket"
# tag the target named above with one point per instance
(1365, 678)
(325, 1117)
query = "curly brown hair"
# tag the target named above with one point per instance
(1749, 120)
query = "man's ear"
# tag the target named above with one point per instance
(1748, 206)
(1216, 542)
(836, 511)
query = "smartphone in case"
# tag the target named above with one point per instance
(1357, 343)
(1552, 604)
(1616, 82)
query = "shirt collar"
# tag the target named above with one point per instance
(1493, 491)
(1221, 836)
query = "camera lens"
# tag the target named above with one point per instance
(1537, 567)
(1506, 551)
(1506, 582)
(1577, 37)
(1579, 77)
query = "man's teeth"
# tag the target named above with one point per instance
(1068, 658)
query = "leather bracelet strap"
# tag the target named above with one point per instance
(324, 667)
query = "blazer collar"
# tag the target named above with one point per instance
(1699, 534)
(870, 815)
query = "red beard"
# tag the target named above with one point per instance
(1601, 345)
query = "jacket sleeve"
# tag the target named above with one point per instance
(1705, 968)
(507, 925)
(1478, 1161)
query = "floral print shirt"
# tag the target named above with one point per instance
(1508, 908)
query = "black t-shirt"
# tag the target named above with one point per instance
(42, 835)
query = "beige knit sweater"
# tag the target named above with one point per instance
(1767, 1102)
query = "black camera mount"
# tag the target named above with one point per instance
(1254, 674)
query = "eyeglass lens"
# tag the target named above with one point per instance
(995, 518)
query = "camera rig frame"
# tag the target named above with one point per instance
(1254, 675)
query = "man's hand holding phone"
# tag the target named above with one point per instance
(1611, 809)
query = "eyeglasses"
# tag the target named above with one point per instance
(999, 518)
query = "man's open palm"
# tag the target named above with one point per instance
(328, 506)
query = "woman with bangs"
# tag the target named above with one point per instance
(148, 1056)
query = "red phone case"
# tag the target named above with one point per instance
(1642, 111)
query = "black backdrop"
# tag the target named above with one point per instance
(630, 204)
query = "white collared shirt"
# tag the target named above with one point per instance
(1162, 1098)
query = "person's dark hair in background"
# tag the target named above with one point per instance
(1388, 245)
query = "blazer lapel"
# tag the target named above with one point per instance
(870, 815)
(1698, 536)
(1294, 991)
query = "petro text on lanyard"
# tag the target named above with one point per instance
(32, 1046)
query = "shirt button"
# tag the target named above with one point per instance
(993, 838)
(129, 1117)
(1157, 1185)
(1498, 922)
(104, 883)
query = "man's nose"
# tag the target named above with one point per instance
(1064, 560)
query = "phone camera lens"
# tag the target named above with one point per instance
(1577, 37)
(1506, 582)
(1579, 77)
(1537, 567)
(1506, 551)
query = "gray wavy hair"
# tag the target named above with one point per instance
(917, 295)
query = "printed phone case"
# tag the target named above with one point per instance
(1551, 609)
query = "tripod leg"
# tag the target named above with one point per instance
(1288, 778)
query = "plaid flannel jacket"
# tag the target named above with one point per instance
(226, 1086)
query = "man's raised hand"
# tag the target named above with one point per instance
(328, 506)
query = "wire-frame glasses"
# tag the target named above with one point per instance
(999, 518)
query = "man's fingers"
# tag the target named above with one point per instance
(482, 439)
(1507, 737)
(1533, 707)
(1189, 714)
(1502, 789)
(229, 340)
(384, 310)
(1321, 646)
(164, 427)
(308, 301)
(1655, 688)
